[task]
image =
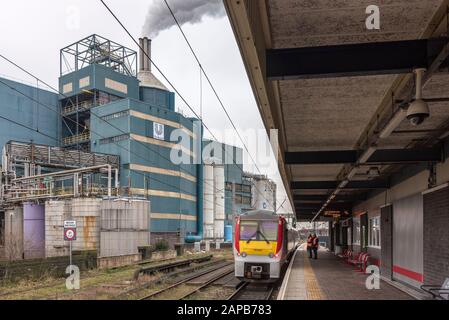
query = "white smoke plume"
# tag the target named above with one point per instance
(185, 11)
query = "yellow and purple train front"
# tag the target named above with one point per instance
(262, 242)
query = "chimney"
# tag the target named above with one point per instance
(145, 76)
(145, 63)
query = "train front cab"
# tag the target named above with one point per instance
(260, 248)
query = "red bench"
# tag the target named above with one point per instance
(349, 256)
(360, 261)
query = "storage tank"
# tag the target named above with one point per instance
(86, 213)
(219, 185)
(228, 233)
(208, 206)
(264, 194)
(14, 233)
(33, 231)
(55, 214)
(125, 226)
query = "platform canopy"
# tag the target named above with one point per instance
(336, 92)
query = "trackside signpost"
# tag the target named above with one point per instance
(70, 234)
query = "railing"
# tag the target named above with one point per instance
(78, 107)
(47, 193)
(83, 106)
(83, 137)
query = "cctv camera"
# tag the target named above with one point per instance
(418, 112)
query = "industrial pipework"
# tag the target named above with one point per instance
(199, 202)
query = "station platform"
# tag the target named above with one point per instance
(329, 278)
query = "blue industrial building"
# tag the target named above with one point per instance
(109, 105)
(18, 103)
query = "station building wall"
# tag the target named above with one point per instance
(436, 235)
(414, 221)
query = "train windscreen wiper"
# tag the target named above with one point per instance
(266, 240)
(258, 232)
(251, 238)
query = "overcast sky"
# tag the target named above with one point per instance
(33, 32)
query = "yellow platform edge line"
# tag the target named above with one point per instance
(312, 287)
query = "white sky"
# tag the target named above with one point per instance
(33, 32)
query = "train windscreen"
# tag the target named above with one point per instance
(258, 230)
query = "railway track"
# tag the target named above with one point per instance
(250, 291)
(166, 267)
(167, 276)
(217, 272)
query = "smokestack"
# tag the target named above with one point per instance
(145, 59)
(145, 76)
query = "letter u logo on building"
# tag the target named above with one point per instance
(158, 131)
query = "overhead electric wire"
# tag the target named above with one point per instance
(174, 88)
(157, 68)
(124, 148)
(29, 128)
(212, 87)
(92, 114)
(168, 81)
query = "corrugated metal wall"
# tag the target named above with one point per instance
(18, 108)
(408, 240)
(124, 227)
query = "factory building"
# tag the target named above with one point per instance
(131, 114)
(113, 132)
(18, 103)
(263, 192)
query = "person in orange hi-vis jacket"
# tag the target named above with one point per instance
(315, 244)
(309, 245)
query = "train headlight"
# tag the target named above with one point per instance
(244, 254)
(271, 255)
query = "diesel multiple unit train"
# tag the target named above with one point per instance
(262, 242)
